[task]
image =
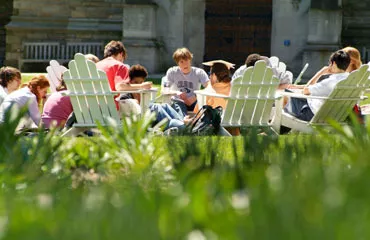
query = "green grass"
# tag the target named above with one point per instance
(127, 184)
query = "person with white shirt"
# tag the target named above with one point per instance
(305, 109)
(31, 96)
(10, 79)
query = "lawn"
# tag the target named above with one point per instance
(128, 184)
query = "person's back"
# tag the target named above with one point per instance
(306, 109)
(57, 108)
(220, 84)
(31, 95)
(112, 64)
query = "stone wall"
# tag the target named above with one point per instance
(356, 28)
(6, 10)
(177, 23)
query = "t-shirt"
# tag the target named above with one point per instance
(21, 97)
(116, 71)
(3, 94)
(186, 82)
(57, 108)
(324, 89)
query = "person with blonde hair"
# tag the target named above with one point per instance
(355, 58)
(185, 78)
(31, 95)
(92, 57)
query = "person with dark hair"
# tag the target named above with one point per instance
(285, 79)
(10, 80)
(220, 83)
(57, 108)
(137, 74)
(305, 109)
(117, 72)
(31, 95)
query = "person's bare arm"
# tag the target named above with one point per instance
(128, 87)
(323, 71)
(306, 91)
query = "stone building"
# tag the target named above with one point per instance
(297, 31)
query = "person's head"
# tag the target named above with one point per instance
(137, 74)
(39, 86)
(183, 58)
(115, 49)
(62, 86)
(355, 58)
(10, 78)
(339, 61)
(92, 57)
(219, 73)
(252, 59)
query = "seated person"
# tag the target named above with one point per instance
(220, 83)
(31, 96)
(186, 78)
(57, 108)
(305, 109)
(137, 74)
(92, 57)
(285, 79)
(10, 80)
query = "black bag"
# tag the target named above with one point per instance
(205, 122)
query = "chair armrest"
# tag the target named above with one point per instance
(301, 95)
(137, 91)
(210, 94)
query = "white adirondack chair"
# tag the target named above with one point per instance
(54, 74)
(251, 98)
(91, 97)
(336, 107)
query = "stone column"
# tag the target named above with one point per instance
(324, 33)
(139, 35)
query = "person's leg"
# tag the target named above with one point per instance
(295, 105)
(171, 112)
(160, 112)
(299, 109)
(179, 107)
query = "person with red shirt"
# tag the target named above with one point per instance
(117, 71)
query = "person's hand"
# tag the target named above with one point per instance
(187, 119)
(188, 100)
(146, 85)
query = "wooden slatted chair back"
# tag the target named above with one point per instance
(90, 94)
(54, 74)
(251, 97)
(344, 96)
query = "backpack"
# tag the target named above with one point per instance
(206, 122)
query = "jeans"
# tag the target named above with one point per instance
(165, 111)
(299, 109)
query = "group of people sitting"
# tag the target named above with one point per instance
(184, 78)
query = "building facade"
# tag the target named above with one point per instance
(297, 31)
